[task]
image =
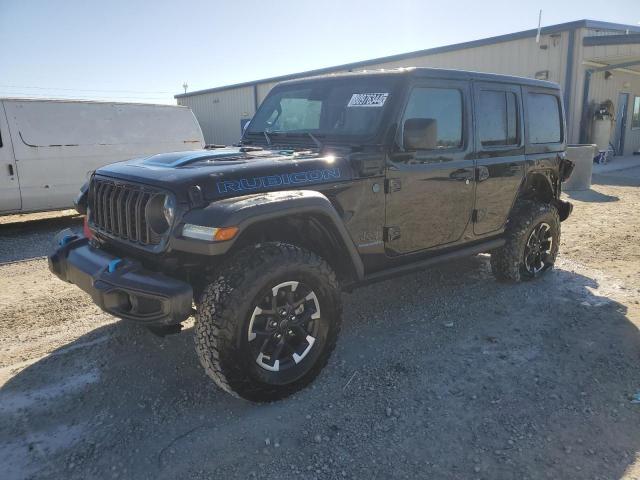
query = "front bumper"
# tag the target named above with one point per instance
(121, 286)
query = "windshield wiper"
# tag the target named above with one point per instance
(315, 140)
(266, 135)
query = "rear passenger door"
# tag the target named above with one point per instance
(500, 153)
(545, 133)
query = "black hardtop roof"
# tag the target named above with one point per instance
(438, 73)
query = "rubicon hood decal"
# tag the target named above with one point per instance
(230, 172)
(284, 179)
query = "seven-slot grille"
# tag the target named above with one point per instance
(119, 210)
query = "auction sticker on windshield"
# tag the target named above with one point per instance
(368, 99)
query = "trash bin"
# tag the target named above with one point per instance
(582, 157)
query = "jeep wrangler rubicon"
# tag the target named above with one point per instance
(338, 181)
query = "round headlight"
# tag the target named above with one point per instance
(169, 209)
(160, 213)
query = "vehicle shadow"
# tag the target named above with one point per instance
(440, 374)
(26, 240)
(591, 196)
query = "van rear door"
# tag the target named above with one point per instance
(10, 199)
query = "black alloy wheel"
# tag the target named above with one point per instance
(538, 250)
(284, 326)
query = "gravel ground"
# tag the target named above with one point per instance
(440, 374)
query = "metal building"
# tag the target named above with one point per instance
(593, 61)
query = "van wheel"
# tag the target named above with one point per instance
(269, 322)
(533, 238)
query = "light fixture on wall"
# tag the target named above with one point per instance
(542, 75)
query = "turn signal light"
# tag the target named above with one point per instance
(225, 233)
(211, 234)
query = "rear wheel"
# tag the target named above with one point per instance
(532, 241)
(268, 324)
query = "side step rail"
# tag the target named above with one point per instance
(412, 267)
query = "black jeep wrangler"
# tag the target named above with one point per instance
(338, 181)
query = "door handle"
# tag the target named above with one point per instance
(10, 169)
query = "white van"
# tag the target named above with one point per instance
(48, 147)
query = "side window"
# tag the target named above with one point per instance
(544, 121)
(441, 109)
(635, 117)
(498, 118)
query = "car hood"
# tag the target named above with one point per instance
(232, 171)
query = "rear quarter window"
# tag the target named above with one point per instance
(544, 120)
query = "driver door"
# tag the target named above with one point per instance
(430, 189)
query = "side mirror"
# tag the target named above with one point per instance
(420, 134)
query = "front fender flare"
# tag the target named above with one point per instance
(244, 211)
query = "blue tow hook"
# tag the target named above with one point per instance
(66, 239)
(113, 264)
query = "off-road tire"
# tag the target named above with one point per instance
(224, 311)
(507, 262)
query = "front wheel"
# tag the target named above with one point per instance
(268, 324)
(532, 241)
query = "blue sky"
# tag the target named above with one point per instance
(144, 50)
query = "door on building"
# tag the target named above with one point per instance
(621, 123)
(9, 187)
(430, 179)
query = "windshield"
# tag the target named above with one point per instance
(346, 107)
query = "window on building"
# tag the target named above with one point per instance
(498, 118)
(545, 124)
(635, 117)
(444, 107)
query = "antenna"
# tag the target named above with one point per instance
(539, 26)
(185, 85)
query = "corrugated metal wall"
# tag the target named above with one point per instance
(219, 113)
(518, 57)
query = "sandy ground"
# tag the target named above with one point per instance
(440, 374)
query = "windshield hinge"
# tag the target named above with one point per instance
(391, 233)
(392, 185)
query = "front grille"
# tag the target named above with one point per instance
(118, 210)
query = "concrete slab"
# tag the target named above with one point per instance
(618, 163)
